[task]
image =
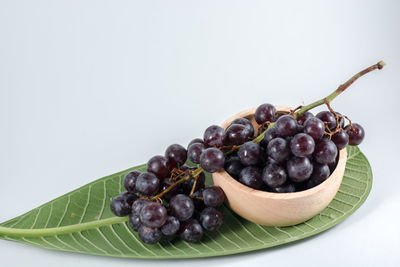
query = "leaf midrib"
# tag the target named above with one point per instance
(17, 232)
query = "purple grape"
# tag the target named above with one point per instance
(325, 151)
(286, 126)
(214, 136)
(356, 134)
(121, 205)
(274, 175)
(191, 231)
(138, 205)
(194, 152)
(305, 116)
(299, 169)
(153, 215)
(302, 145)
(237, 134)
(182, 207)
(245, 122)
(149, 235)
(171, 226)
(147, 183)
(251, 176)
(315, 128)
(250, 153)
(195, 141)
(320, 173)
(176, 155)
(212, 159)
(328, 118)
(130, 181)
(213, 196)
(341, 139)
(188, 184)
(270, 134)
(233, 166)
(278, 149)
(134, 221)
(264, 113)
(211, 219)
(159, 166)
(287, 187)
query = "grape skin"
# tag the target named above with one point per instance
(147, 183)
(211, 219)
(213, 196)
(191, 231)
(159, 166)
(274, 175)
(251, 176)
(341, 139)
(315, 128)
(325, 151)
(182, 207)
(171, 226)
(299, 169)
(214, 136)
(130, 181)
(356, 134)
(245, 122)
(264, 113)
(153, 215)
(149, 235)
(250, 153)
(233, 166)
(302, 145)
(194, 152)
(212, 159)
(237, 134)
(176, 155)
(328, 118)
(286, 125)
(278, 149)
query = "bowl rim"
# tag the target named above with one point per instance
(265, 194)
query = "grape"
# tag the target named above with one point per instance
(211, 219)
(328, 118)
(171, 226)
(233, 166)
(138, 205)
(147, 183)
(302, 145)
(320, 173)
(153, 215)
(198, 200)
(182, 207)
(305, 116)
(165, 184)
(237, 134)
(286, 126)
(195, 141)
(130, 181)
(287, 187)
(325, 151)
(188, 184)
(299, 169)
(176, 155)
(356, 134)
(213, 196)
(134, 221)
(245, 122)
(251, 176)
(278, 149)
(214, 136)
(341, 139)
(250, 153)
(274, 175)
(149, 235)
(212, 159)
(121, 205)
(194, 152)
(270, 134)
(159, 166)
(191, 231)
(264, 113)
(314, 127)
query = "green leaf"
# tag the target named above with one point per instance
(82, 222)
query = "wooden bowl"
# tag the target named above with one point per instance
(278, 209)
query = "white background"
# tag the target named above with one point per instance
(89, 88)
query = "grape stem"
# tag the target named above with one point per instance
(339, 90)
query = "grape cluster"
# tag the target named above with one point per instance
(284, 153)
(294, 154)
(170, 199)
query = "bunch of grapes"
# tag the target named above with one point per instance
(285, 153)
(294, 154)
(170, 199)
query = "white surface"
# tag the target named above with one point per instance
(88, 88)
